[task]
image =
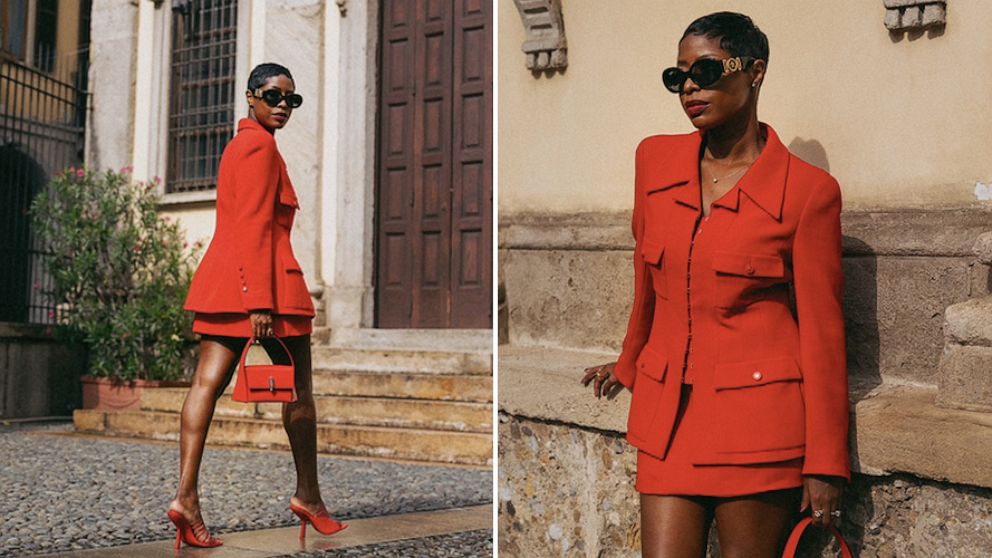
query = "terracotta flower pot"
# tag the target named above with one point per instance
(105, 394)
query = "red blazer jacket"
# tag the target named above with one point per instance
(249, 264)
(773, 383)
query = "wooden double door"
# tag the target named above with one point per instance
(434, 175)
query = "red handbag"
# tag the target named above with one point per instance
(797, 533)
(265, 383)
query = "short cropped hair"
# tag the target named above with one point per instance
(737, 33)
(264, 71)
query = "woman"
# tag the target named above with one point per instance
(735, 346)
(249, 284)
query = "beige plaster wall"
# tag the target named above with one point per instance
(197, 221)
(900, 121)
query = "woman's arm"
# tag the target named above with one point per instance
(642, 313)
(256, 180)
(819, 283)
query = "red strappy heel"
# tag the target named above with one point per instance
(185, 532)
(322, 522)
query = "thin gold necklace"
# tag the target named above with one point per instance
(718, 179)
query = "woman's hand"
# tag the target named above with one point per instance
(261, 323)
(604, 382)
(822, 492)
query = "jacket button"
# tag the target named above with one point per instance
(749, 269)
(245, 289)
(756, 375)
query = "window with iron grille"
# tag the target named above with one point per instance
(13, 27)
(46, 30)
(201, 111)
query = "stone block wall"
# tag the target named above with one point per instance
(921, 433)
(568, 491)
(568, 283)
(39, 375)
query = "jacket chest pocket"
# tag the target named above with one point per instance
(653, 253)
(742, 278)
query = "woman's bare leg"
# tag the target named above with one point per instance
(213, 372)
(673, 526)
(300, 421)
(755, 526)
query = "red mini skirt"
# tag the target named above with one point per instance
(676, 475)
(239, 325)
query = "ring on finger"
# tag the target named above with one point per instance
(835, 513)
(818, 513)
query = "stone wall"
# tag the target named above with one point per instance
(39, 375)
(568, 283)
(568, 491)
(921, 445)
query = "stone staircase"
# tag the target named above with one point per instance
(373, 400)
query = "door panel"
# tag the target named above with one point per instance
(434, 191)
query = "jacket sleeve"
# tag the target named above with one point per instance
(819, 285)
(257, 178)
(642, 312)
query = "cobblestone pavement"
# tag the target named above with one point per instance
(470, 544)
(68, 493)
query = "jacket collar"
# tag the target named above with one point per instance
(249, 123)
(764, 182)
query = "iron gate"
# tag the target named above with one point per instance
(42, 131)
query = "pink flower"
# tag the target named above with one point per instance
(37, 285)
(51, 313)
(80, 173)
(72, 169)
(158, 180)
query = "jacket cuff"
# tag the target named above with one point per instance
(625, 370)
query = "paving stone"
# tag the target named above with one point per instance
(78, 493)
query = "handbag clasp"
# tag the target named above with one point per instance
(272, 384)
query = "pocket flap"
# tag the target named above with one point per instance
(652, 364)
(755, 372)
(286, 194)
(258, 376)
(750, 265)
(652, 251)
(290, 263)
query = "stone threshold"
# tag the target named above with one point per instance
(436, 340)
(895, 428)
(175, 443)
(285, 540)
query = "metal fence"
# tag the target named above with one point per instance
(42, 131)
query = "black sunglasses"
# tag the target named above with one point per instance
(704, 72)
(273, 97)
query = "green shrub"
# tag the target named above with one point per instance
(121, 273)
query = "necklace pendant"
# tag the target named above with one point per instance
(715, 180)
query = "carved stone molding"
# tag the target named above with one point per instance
(545, 46)
(342, 7)
(907, 15)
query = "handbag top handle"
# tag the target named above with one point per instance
(797, 533)
(253, 341)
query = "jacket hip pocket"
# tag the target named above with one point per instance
(294, 292)
(651, 367)
(758, 406)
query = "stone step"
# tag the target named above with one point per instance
(370, 411)
(402, 360)
(443, 387)
(471, 448)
